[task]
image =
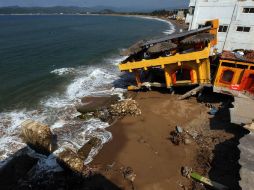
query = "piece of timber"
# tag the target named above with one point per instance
(147, 85)
(192, 92)
(162, 61)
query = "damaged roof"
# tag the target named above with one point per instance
(246, 55)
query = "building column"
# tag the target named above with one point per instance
(168, 76)
(138, 79)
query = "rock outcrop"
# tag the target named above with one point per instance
(93, 104)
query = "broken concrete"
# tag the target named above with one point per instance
(70, 160)
(38, 136)
(243, 111)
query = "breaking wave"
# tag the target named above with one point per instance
(63, 71)
(60, 114)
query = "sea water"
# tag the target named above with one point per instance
(47, 63)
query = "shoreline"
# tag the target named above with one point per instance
(173, 27)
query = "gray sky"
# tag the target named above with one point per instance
(89, 3)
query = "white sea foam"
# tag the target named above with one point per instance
(63, 71)
(59, 113)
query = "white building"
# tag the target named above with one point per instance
(236, 19)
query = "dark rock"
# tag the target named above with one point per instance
(92, 104)
(85, 116)
(16, 169)
(86, 149)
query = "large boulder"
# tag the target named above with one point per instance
(70, 160)
(93, 103)
(38, 136)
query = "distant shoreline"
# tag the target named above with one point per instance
(172, 29)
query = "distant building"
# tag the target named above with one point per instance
(180, 15)
(236, 17)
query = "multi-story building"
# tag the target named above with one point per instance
(236, 17)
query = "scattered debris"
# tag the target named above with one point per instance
(186, 171)
(179, 129)
(38, 136)
(179, 136)
(176, 138)
(125, 107)
(129, 174)
(213, 111)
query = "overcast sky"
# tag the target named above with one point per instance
(91, 3)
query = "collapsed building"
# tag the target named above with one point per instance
(184, 58)
(191, 59)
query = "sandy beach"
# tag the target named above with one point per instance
(142, 143)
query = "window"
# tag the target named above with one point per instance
(201, 26)
(227, 76)
(223, 28)
(248, 10)
(243, 29)
(191, 10)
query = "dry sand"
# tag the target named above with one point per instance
(143, 144)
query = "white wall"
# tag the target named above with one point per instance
(229, 12)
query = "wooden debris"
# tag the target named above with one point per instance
(192, 92)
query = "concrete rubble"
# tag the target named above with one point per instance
(38, 136)
(125, 107)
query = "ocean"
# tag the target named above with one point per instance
(47, 63)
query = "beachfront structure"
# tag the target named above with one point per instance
(235, 74)
(236, 21)
(186, 63)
